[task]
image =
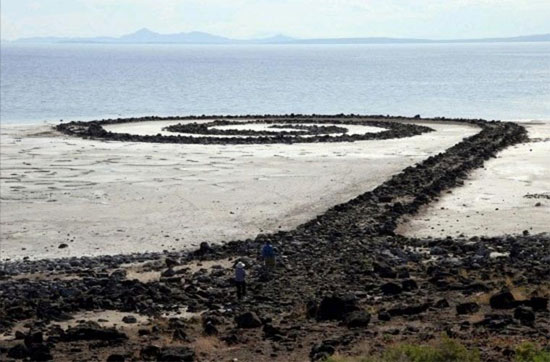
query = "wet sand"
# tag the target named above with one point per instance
(104, 197)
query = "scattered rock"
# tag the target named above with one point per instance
(92, 331)
(116, 358)
(336, 307)
(391, 289)
(538, 303)
(502, 300)
(176, 354)
(130, 319)
(18, 351)
(524, 315)
(467, 308)
(358, 319)
(248, 320)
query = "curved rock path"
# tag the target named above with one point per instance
(314, 129)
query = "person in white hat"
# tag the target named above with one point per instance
(240, 280)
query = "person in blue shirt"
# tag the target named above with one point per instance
(240, 280)
(268, 254)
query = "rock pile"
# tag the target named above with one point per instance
(307, 130)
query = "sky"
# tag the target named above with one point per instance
(435, 19)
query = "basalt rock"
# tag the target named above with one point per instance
(503, 300)
(409, 310)
(307, 130)
(248, 320)
(91, 331)
(149, 353)
(358, 319)
(39, 352)
(467, 308)
(176, 354)
(130, 319)
(116, 358)
(336, 307)
(495, 321)
(391, 289)
(524, 315)
(538, 303)
(19, 351)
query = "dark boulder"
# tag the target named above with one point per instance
(18, 351)
(358, 319)
(327, 347)
(336, 307)
(442, 303)
(204, 248)
(538, 303)
(311, 308)
(391, 289)
(91, 331)
(149, 352)
(384, 271)
(168, 273)
(495, 321)
(409, 310)
(210, 329)
(408, 285)
(322, 351)
(384, 316)
(33, 338)
(467, 308)
(116, 358)
(170, 262)
(40, 352)
(179, 335)
(176, 354)
(248, 320)
(524, 315)
(503, 300)
(273, 333)
(130, 319)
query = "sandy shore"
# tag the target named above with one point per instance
(113, 197)
(509, 195)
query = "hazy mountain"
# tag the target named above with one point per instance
(146, 36)
(195, 37)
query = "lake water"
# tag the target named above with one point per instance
(493, 81)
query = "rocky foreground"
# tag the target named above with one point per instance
(344, 282)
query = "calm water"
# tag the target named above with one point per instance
(494, 81)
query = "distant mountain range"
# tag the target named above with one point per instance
(146, 36)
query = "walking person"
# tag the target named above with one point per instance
(268, 254)
(240, 280)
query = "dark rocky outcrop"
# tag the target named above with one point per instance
(467, 308)
(336, 307)
(503, 300)
(248, 320)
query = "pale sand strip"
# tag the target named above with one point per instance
(114, 197)
(492, 201)
(151, 128)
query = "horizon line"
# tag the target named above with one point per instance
(279, 38)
